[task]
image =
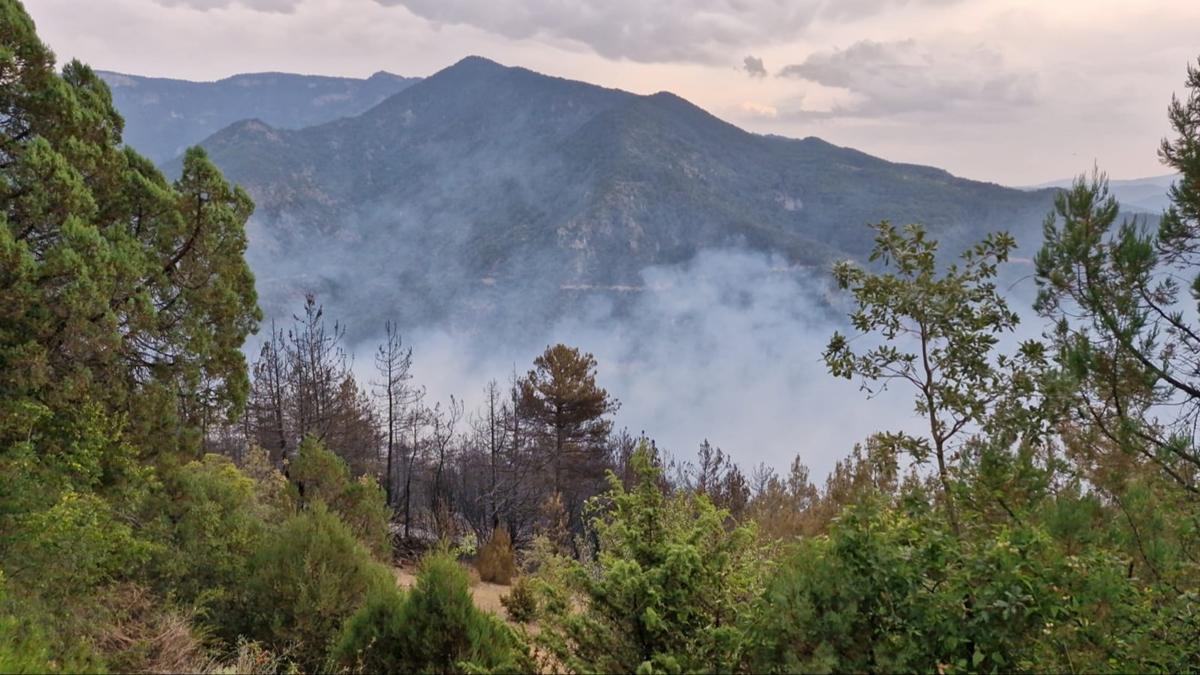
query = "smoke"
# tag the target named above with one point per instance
(725, 347)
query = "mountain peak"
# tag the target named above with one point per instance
(478, 64)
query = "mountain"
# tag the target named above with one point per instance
(165, 116)
(1140, 195)
(484, 189)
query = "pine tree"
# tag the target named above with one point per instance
(564, 407)
(1123, 331)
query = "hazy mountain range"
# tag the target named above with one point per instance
(1140, 195)
(483, 185)
(165, 116)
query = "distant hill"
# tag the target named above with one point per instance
(165, 116)
(483, 186)
(1145, 195)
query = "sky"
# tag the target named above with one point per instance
(1017, 92)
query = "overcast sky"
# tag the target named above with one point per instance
(1013, 91)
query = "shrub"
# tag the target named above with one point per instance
(270, 485)
(216, 526)
(924, 600)
(437, 628)
(318, 473)
(309, 576)
(520, 603)
(862, 585)
(322, 476)
(668, 591)
(72, 548)
(496, 563)
(30, 641)
(32, 647)
(371, 640)
(363, 507)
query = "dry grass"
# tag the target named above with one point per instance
(140, 636)
(251, 659)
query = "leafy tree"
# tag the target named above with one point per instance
(124, 301)
(952, 320)
(118, 287)
(668, 590)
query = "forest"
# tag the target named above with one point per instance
(169, 504)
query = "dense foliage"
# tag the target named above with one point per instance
(434, 628)
(668, 589)
(1044, 519)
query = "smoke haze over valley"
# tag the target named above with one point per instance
(492, 211)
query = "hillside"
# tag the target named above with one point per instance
(485, 185)
(165, 116)
(1137, 195)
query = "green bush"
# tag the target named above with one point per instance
(317, 473)
(897, 592)
(496, 563)
(363, 507)
(521, 602)
(320, 475)
(372, 640)
(216, 526)
(853, 601)
(30, 642)
(668, 591)
(309, 575)
(437, 628)
(72, 548)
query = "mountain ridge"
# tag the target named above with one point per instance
(534, 181)
(166, 115)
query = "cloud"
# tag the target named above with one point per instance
(754, 67)
(278, 6)
(759, 109)
(890, 78)
(662, 31)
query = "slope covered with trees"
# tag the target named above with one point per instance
(167, 507)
